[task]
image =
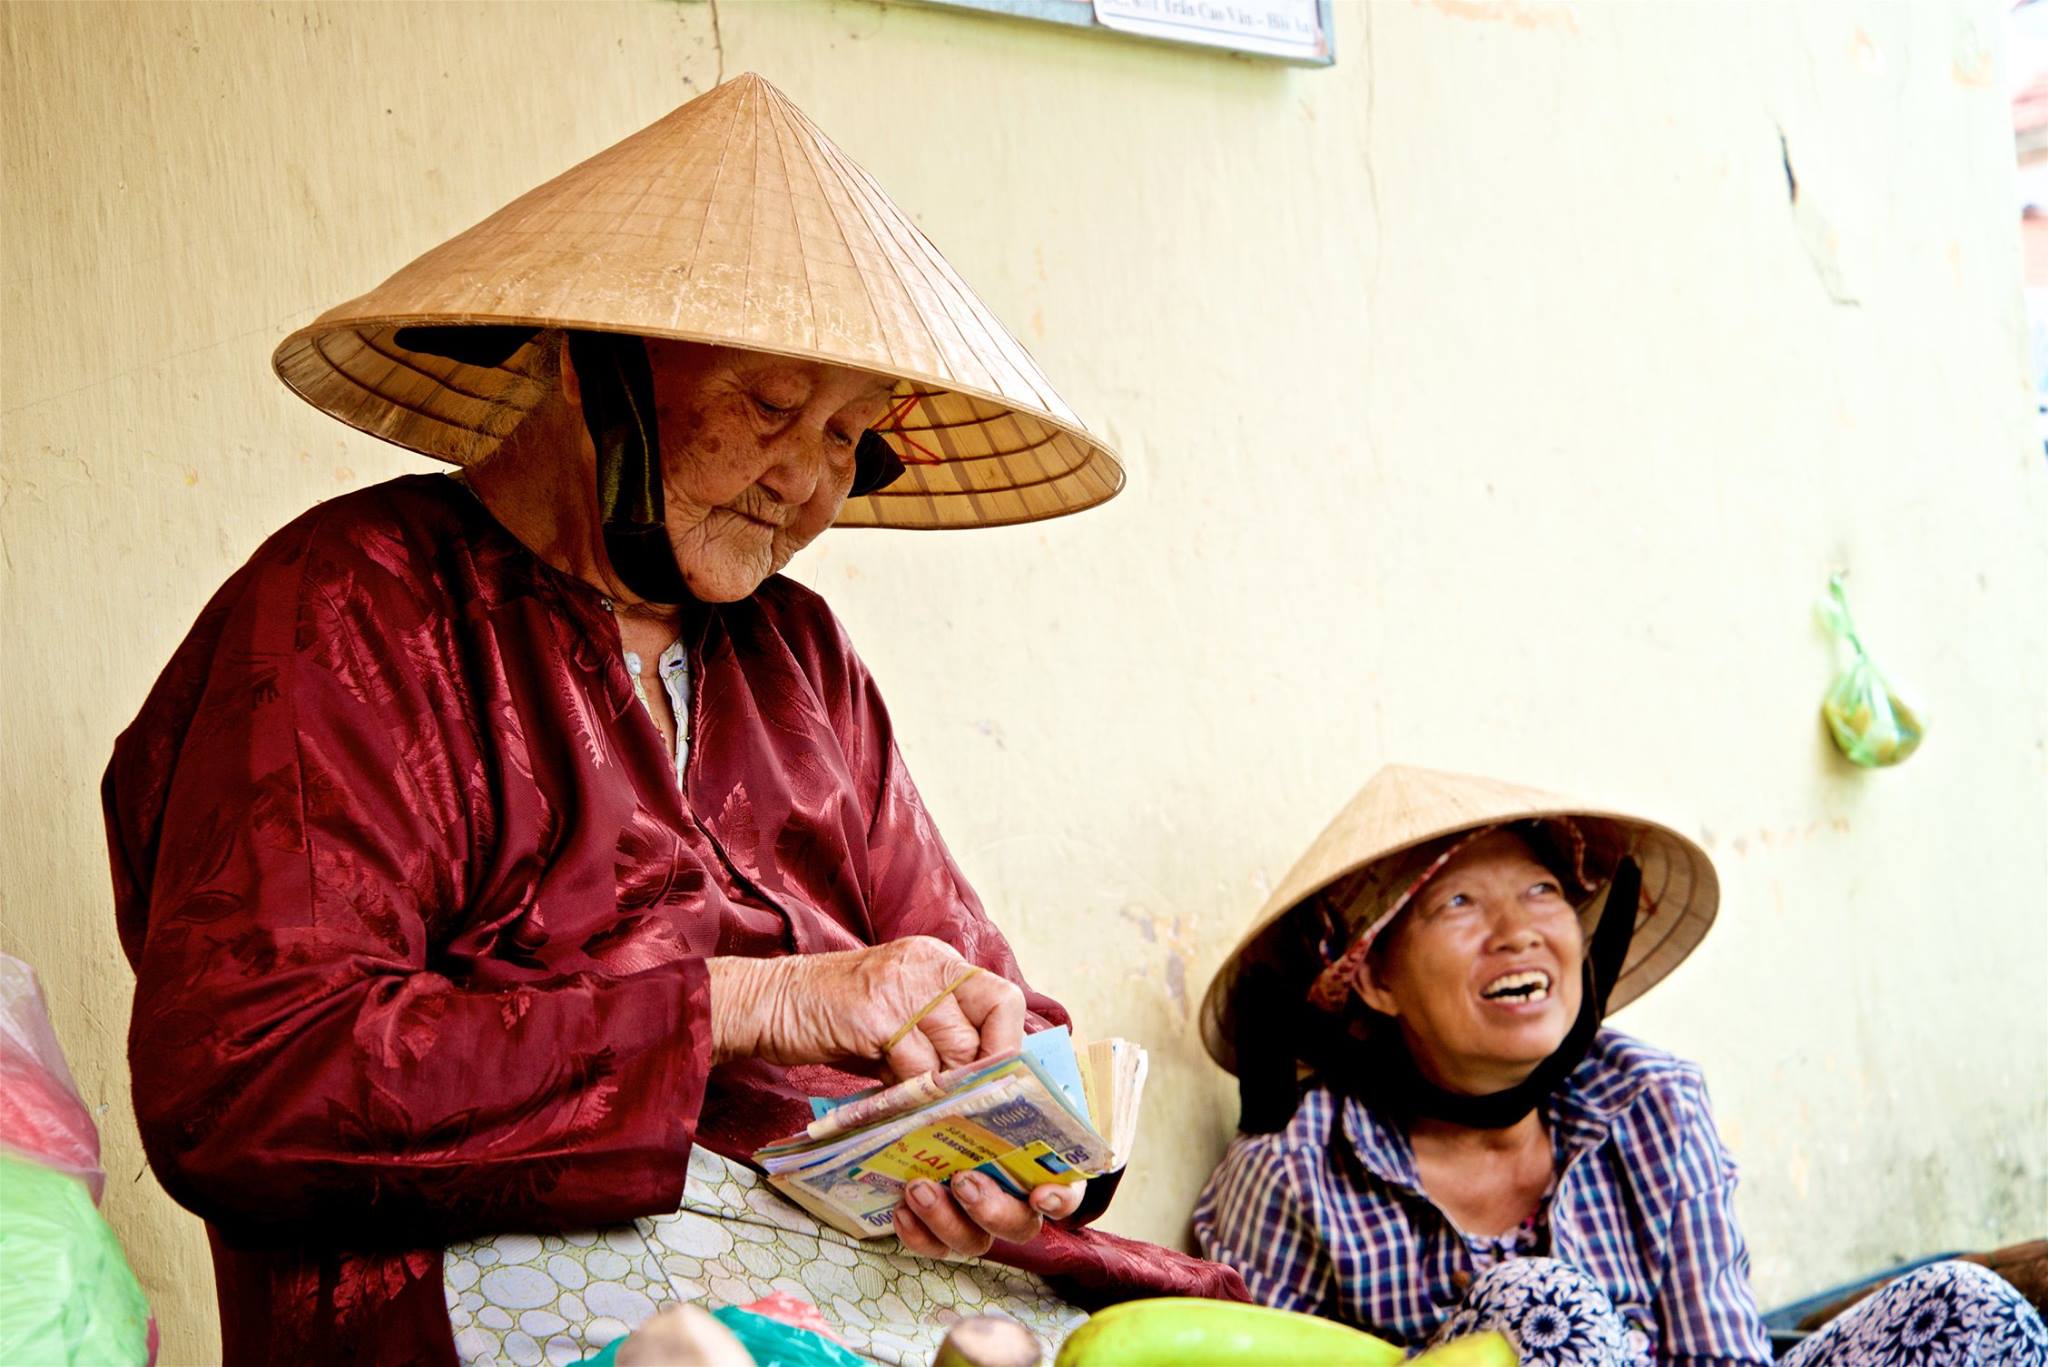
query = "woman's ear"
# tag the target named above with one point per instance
(565, 369)
(1373, 988)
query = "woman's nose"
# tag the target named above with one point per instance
(1513, 929)
(798, 466)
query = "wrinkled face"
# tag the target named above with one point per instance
(756, 457)
(1483, 967)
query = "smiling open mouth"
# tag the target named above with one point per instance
(1532, 985)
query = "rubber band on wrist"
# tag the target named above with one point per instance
(925, 1010)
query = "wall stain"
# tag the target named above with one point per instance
(1520, 14)
(1972, 67)
(1175, 936)
(1764, 837)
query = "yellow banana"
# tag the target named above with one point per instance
(1475, 1350)
(1179, 1331)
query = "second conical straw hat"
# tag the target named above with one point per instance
(732, 221)
(1401, 807)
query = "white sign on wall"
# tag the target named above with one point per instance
(1278, 28)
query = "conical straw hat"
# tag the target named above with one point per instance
(733, 221)
(1401, 807)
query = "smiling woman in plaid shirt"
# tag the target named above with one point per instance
(1441, 1137)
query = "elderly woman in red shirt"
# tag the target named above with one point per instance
(512, 855)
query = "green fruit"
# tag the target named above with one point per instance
(1869, 737)
(1179, 1331)
(1474, 1350)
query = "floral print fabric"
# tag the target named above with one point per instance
(1947, 1314)
(529, 1299)
(1556, 1315)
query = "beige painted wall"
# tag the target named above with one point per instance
(1488, 404)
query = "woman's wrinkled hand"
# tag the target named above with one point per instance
(846, 1007)
(965, 1216)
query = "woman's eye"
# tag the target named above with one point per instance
(840, 438)
(1545, 890)
(769, 410)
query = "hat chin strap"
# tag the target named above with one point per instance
(618, 408)
(1399, 1085)
(620, 416)
(1382, 1072)
(617, 386)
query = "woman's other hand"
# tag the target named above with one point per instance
(962, 1218)
(846, 1007)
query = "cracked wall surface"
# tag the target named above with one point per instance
(1491, 401)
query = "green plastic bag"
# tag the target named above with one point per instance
(1870, 723)
(67, 1295)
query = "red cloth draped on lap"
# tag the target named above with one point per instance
(419, 916)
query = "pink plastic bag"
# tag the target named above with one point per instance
(68, 1295)
(42, 1116)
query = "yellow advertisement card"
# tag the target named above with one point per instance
(939, 1150)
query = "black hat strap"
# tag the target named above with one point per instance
(618, 408)
(617, 387)
(1381, 1072)
(1399, 1086)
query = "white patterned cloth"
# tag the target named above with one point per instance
(1947, 1314)
(558, 1298)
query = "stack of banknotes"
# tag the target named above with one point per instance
(1047, 1113)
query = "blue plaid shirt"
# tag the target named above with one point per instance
(1329, 1216)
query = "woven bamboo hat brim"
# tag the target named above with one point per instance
(1401, 807)
(733, 221)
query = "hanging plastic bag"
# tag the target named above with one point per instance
(1870, 723)
(41, 1114)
